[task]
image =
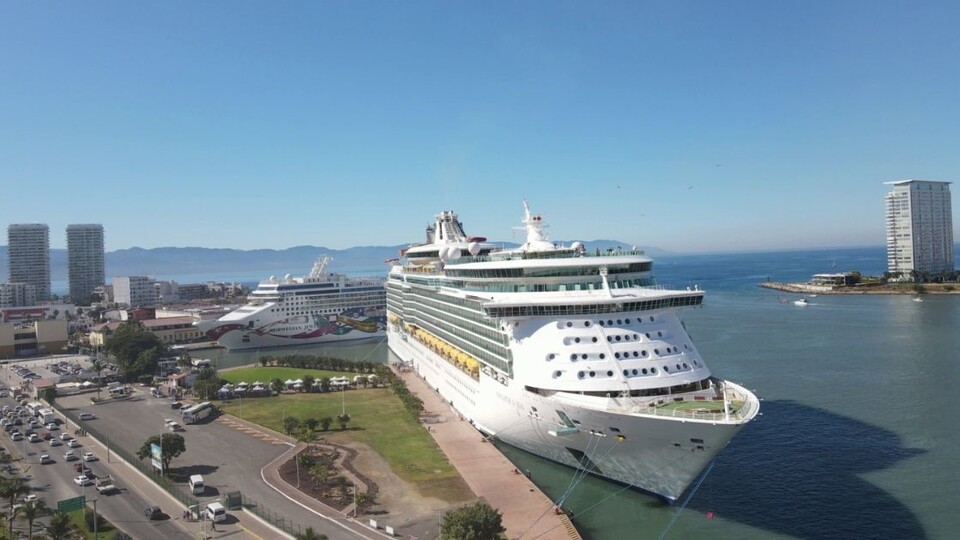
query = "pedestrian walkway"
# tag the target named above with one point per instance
(527, 512)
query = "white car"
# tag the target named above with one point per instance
(17, 436)
(52, 426)
(33, 437)
(65, 436)
(88, 456)
(72, 443)
(70, 455)
(45, 458)
(83, 481)
(55, 442)
(86, 416)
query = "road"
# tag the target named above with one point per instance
(53, 482)
(228, 459)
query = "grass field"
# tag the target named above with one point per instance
(377, 418)
(107, 532)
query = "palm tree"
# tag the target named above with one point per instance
(98, 366)
(60, 527)
(310, 534)
(11, 516)
(31, 511)
(11, 489)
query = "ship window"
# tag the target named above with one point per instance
(569, 324)
(616, 355)
(653, 370)
(583, 356)
(619, 321)
(556, 374)
(609, 339)
(587, 324)
(628, 321)
(636, 337)
(644, 371)
(635, 354)
(594, 339)
(666, 368)
(602, 356)
(609, 374)
(656, 352)
(678, 367)
(626, 373)
(659, 334)
(579, 374)
(643, 353)
(634, 371)
(609, 322)
(576, 340)
(685, 366)
(593, 373)
(618, 338)
(551, 356)
(600, 322)
(573, 357)
(651, 319)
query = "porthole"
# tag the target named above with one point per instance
(602, 356)
(685, 346)
(594, 339)
(557, 374)
(653, 371)
(569, 324)
(648, 335)
(616, 355)
(685, 366)
(576, 340)
(618, 338)
(551, 356)
(678, 367)
(579, 374)
(656, 352)
(619, 321)
(644, 371)
(627, 321)
(600, 323)
(609, 322)
(593, 373)
(643, 353)
(609, 374)
(586, 324)
(635, 354)
(666, 368)
(583, 356)
(636, 337)
(634, 371)
(573, 357)
(651, 319)
(659, 334)
(696, 363)
(626, 373)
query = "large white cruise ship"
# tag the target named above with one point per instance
(321, 307)
(573, 356)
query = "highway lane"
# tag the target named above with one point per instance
(228, 459)
(53, 482)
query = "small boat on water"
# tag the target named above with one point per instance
(801, 302)
(917, 299)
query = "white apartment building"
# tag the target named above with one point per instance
(84, 260)
(17, 295)
(919, 227)
(134, 291)
(28, 246)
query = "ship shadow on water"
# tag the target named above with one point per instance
(798, 471)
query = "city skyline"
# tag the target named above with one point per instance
(691, 127)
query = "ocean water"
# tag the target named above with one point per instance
(857, 437)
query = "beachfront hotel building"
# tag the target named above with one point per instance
(84, 260)
(28, 249)
(134, 291)
(919, 227)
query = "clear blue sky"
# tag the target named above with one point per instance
(691, 126)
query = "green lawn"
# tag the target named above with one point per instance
(76, 517)
(377, 418)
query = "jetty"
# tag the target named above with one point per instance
(527, 511)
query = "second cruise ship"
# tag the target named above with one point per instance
(319, 308)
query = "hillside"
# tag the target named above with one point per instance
(167, 261)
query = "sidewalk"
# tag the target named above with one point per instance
(527, 512)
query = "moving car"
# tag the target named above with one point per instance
(72, 443)
(55, 442)
(45, 458)
(88, 456)
(86, 416)
(83, 480)
(70, 455)
(153, 512)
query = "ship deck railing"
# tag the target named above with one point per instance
(729, 404)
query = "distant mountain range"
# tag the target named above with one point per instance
(178, 261)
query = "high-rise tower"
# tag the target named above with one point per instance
(84, 260)
(29, 252)
(919, 227)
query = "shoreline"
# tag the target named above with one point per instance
(806, 288)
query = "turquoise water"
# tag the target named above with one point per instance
(858, 435)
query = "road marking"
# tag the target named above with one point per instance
(251, 533)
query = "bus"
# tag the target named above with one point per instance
(198, 412)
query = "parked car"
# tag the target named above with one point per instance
(69, 455)
(33, 437)
(45, 458)
(88, 456)
(72, 443)
(55, 442)
(65, 436)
